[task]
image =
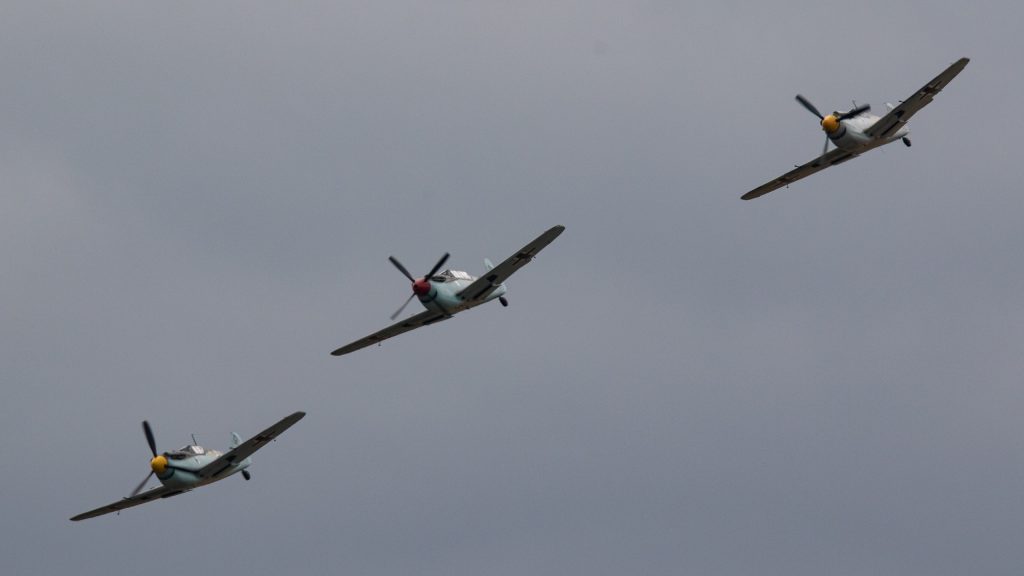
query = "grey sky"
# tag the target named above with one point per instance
(199, 201)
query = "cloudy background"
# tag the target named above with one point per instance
(199, 200)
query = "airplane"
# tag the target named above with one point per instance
(193, 466)
(452, 291)
(855, 131)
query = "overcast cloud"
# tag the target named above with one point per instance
(198, 204)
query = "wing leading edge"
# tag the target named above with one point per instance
(147, 496)
(487, 283)
(422, 319)
(888, 125)
(246, 449)
(836, 156)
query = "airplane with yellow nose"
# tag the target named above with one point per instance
(193, 466)
(856, 131)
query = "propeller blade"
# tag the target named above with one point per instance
(399, 311)
(149, 437)
(825, 149)
(437, 266)
(401, 268)
(810, 107)
(855, 112)
(141, 484)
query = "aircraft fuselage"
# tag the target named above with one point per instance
(181, 473)
(851, 134)
(443, 296)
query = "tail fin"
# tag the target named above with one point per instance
(235, 441)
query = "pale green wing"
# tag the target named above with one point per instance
(486, 284)
(410, 323)
(246, 449)
(147, 496)
(888, 125)
(836, 156)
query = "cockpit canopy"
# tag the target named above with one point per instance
(451, 276)
(186, 452)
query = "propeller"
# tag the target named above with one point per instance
(159, 461)
(149, 437)
(401, 268)
(420, 286)
(438, 265)
(810, 107)
(855, 112)
(402, 307)
(141, 484)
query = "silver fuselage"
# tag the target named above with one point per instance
(851, 134)
(444, 289)
(182, 466)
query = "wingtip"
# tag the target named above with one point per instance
(960, 64)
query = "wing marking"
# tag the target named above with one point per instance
(836, 156)
(888, 125)
(424, 318)
(484, 285)
(246, 449)
(147, 496)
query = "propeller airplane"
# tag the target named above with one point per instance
(193, 466)
(855, 131)
(451, 291)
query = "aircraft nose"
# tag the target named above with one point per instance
(158, 464)
(830, 123)
(421, 287)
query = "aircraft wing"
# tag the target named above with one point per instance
(888, 125)
(836, 156)
(486, 284)
(147, 496)
(246, 449)
(411, 323)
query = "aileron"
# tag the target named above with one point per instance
(124, 503)
(836, 156)
(424, 318)
(247, 448)
(484, 285)
(898, 116)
